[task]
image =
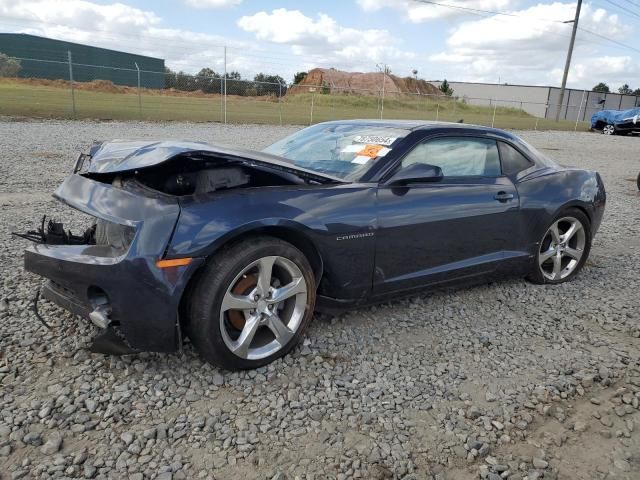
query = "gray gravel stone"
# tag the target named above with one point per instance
(53, 444)
(411, 388)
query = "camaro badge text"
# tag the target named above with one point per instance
(353, 236)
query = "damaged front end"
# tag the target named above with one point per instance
(109, 273)
(118, 272)
(53, 233)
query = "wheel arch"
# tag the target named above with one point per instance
(600, 124)
(292, 234)
(577, 206)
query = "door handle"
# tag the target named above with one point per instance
(503, 196)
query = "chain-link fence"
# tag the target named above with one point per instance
(76, 90)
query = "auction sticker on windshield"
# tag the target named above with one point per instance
(375, 139)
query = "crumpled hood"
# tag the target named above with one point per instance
(128, 155)
(616, 116)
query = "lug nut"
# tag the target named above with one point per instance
(256, 297)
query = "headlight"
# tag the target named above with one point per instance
(113, 234)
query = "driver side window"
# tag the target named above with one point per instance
(458, 156)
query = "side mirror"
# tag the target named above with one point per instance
(416, 173)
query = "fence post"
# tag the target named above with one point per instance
(280, 100)
(437, 111)
(575, 128)
(73, 93)
(221, 102)
(493, 119)
(225, 84)
(313, 95)
(384, 77)
(139, 94)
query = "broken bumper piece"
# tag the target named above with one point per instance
(119, 289)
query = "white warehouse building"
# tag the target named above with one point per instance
(541, 101)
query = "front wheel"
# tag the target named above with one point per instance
(563, 250)
(609, 130)
(251, 304)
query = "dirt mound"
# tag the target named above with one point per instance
(336, 81)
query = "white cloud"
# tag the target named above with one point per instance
(614, 70)
(323, 41)
(530, 47)
(130, 29)
(213, 3)
(418, 12)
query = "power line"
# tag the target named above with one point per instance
(625, 9)
(609, 39)
(633, 3)
(483, 13)
(514, 15)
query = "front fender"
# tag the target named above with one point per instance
(319, 216)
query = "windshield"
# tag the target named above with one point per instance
(341, 150)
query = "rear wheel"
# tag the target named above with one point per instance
(252, 303)
(564, 248)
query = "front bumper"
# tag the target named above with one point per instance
(143, 299)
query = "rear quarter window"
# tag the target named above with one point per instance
(512, 160)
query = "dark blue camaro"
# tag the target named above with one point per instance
(237, 248)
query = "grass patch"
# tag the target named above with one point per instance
(55, 101)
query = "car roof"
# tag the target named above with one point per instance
(420, 125)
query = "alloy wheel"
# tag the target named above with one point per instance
(562, 248)
(263, 307)
(608, 130)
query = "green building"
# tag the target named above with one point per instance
(42, 57)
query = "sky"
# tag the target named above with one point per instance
(525, 44)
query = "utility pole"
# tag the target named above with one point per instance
(568, 62)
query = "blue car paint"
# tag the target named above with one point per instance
(371, 240)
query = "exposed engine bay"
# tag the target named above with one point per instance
(183, 175)
(187, 176)
(202, 173)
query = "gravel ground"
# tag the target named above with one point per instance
(508, 380)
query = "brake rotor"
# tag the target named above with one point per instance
(244, 286)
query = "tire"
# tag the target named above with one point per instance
(608, 129)
(638, 181)
(262, 328)
(558, 260)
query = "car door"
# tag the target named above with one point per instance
(433, 232)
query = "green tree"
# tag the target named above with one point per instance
(601, 88)
(298, 77)
(270, 84)
(208, 81)
(446, 88)
(9, 67)
(636, 92)
(625, 90)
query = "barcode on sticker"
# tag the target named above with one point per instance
(375, 139)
